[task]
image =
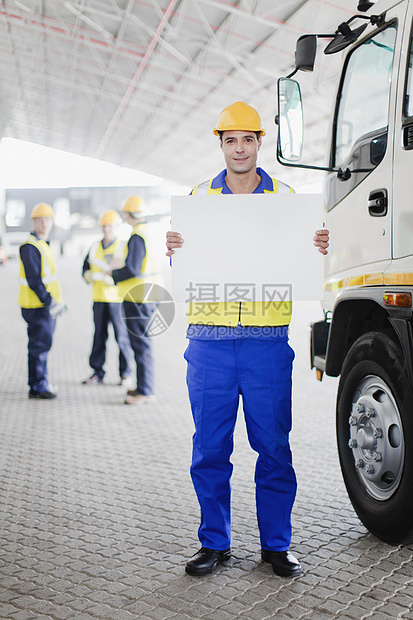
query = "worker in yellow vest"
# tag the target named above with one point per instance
(39, 299)
(106, 302)
(241, 348)
(133, 275)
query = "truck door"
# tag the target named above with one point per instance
(360, 207)
(402, 267)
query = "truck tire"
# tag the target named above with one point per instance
(374, 426)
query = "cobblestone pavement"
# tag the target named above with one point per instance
(98, 514)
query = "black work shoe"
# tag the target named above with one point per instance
(43, 395)
(206, 561)
(283, 563)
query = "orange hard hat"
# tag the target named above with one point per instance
(110, 217)
(239, 116)
(42, 210)
(133, 204)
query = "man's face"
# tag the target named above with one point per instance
(240, 150)
(42, 226)
(109, 232)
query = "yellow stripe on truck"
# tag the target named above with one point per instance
(368, 279)
(398, 278)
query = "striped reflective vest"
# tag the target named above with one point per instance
(99, 259)
(243, 313)
(27, 297)
(131, 289)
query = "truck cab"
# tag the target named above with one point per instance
(366, 336)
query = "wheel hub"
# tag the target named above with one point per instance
(376, 437)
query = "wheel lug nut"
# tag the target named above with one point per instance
(352, 420)
(369, 469)
(377, 456)
(378, 433)
(359, 463)
(360, 408)
(370, 413)
(352, 443)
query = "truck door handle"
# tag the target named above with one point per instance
(377, 203)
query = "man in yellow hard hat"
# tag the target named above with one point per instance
(106, 302)
(241, 348)
(39, 299)
(133, 275)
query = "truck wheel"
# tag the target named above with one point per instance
(375, 436)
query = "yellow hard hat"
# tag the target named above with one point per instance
(110, 217)
(133, 204)
(239, 117)
(42, 210)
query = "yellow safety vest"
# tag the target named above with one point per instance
(99, 259)
(243, 313)
(130, 290)
(27, 297)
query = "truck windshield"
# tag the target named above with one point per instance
(365, 93)
(409, 90)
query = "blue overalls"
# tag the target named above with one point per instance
(106, 309)
(138, 316)
(255, 363)
(40, 324)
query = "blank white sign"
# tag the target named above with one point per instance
(247, 247)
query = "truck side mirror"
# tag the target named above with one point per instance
(364, 5)
(290, 120)
(305, 52)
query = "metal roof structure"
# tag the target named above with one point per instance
(140, 82)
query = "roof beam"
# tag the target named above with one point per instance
(138, 74)
(270, 22)
(219, 49)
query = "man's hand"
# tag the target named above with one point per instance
(173, 240)
(321, 239)
(107, 279)
(56, 308)
(88, 276)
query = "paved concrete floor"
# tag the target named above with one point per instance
(98, 515)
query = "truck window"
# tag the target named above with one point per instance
(364, 102)
(408, 111)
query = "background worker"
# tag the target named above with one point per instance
(241, 348)
(106, 302)
(39, 299)
(134, 279)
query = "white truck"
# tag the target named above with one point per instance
(366, 337)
